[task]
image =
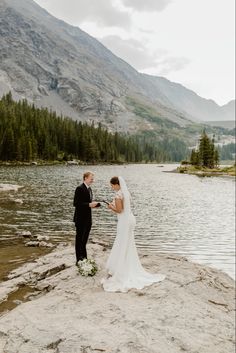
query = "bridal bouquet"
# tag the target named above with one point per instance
(87, 267)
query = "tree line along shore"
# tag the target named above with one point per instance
(29, 134)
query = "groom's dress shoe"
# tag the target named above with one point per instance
(82, 258)
(76, 264)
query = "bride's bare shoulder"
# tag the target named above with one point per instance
(119, 195)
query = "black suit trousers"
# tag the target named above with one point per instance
(82, 234)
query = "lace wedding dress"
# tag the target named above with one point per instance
(123, 264)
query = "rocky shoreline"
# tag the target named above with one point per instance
(59, 311)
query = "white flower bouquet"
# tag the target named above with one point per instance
(87, 267)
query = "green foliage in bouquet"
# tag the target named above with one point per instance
(87, 267)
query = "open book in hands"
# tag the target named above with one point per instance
(106, 202)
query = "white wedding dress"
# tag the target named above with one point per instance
(123, 264)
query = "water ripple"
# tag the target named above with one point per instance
(183, 214)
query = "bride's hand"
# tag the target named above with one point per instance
(110, 206)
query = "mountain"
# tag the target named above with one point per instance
(228, 113)
(229, 110)
(185, 100)
(59, 66)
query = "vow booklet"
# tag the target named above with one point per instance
(106, 202)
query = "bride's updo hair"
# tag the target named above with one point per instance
(115, 180)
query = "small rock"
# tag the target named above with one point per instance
(72, 162)
(25, 234)
(45, 245)
(18, 201)
(17, 302)
(42, 237)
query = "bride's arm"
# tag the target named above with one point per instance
(118, 208)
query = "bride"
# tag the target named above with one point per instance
(124, 268)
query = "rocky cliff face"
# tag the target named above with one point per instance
(59, 66)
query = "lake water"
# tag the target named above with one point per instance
(175, 213)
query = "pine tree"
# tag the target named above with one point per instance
(207, 155)
(194, 158)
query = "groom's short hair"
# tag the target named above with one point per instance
(87, 174)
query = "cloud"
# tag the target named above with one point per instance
(147, 5)
(132, 51)
(137, 54)
(172, 64)
(105, 13)
(102, 12)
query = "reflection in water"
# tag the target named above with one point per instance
(175, 213)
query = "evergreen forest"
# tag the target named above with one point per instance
(28, 133)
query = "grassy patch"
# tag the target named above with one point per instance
(148, 113)
(207, 171)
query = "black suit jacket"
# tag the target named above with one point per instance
(82, 199)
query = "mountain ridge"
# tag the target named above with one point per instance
(60, 66)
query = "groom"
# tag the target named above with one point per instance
(83, 216)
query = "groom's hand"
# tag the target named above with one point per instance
(93, 204)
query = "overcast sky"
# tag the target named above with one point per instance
(186, 41)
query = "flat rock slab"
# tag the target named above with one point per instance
(192, 310)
